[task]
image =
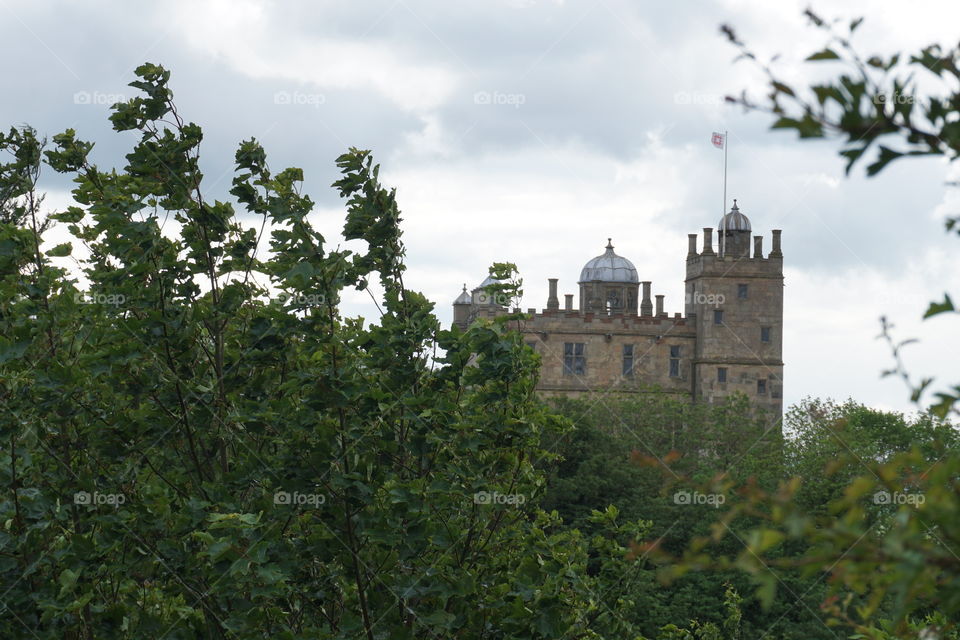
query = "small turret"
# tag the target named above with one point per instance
(609, 284)
(461, 308)
(734, 234)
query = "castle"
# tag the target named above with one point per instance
(728, 339)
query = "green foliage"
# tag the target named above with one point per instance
(198, 444)
(865, 518)
(678, 445)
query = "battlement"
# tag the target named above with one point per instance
(618, 336)
(560, 321)
(731, 246)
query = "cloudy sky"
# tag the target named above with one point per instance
(530, 131)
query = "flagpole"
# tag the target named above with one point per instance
(723, 214)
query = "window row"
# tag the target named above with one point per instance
(575, 360)
(575, 363)
(718, 319)
(761, 383)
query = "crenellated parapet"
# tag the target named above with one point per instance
(619, 336)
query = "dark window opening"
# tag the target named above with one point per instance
(764, 334)
(613, 299)
(721, 374)
(574, 362)
(761, 386)
(718, 316)
(628, 360)
(674, 361)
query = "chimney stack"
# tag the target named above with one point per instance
(646, 306)
(553, 304)
(568, 302)
(775, 252)
(660, 312)
(691, 244)
(707, 241)
(758, 247)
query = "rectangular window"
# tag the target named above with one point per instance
(742, 291)
(764, 334)
(721, 374)
(761, 387)
(674, 361)
(718, 316)
(574, 361)
(628, 360)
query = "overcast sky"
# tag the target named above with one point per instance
(530, 131)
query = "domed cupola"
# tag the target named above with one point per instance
(609, 267)
(609, 284)
(464, 297)
(735, 220)
(733, 233)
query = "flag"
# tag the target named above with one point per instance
(718, 140)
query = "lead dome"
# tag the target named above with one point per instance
(734, 221)
(609, 267)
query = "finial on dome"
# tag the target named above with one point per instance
(609, 243)
(735, 207)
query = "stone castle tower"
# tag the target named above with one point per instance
(728, 339)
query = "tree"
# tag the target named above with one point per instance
(680, 444)
(191, 452)
(887, 545)
(874, 104)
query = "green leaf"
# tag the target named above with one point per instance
(940, 307)
(782, 88)
(60, 250)
(67, 580)
(826, 54)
